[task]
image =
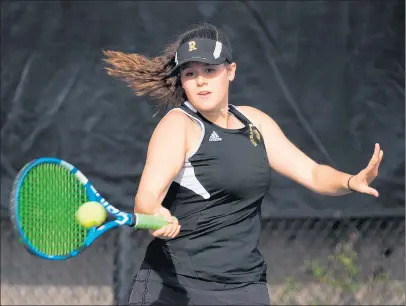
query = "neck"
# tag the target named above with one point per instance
(219, 116)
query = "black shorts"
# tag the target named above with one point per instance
(150, 288)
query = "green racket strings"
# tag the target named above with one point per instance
(48, 200)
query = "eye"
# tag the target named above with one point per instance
(210, 70)
(187, 73)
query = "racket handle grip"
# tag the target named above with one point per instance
(149, 222)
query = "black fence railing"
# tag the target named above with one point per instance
(343, 255)
(310, 262)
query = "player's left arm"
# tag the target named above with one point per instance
(285, 158)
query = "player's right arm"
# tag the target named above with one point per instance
(165, 158)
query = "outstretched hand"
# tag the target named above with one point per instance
(365, 177)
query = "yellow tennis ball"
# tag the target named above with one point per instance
(91, 214)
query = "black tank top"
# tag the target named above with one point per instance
(217, 198)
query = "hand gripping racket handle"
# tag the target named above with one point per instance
(149, 222)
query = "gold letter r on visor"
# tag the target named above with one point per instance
(192, 46)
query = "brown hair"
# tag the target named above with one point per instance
(150, 76)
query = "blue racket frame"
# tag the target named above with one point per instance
(122, 218)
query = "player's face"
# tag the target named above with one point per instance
(206, 86)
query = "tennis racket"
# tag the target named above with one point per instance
(45, 197)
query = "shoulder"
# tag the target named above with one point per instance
(173, 116)
(175, 122)
(256, 116)
(249, 110)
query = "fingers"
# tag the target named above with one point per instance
(371, 191)
(169, 231)
(380, 156)
(363, 187)
(377, 148)
(375, 160)
(368, 175)
(375, 157)
(173, 229)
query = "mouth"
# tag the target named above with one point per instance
(204, 93)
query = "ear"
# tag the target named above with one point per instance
(231, 71)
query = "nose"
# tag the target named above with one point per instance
(200, 80)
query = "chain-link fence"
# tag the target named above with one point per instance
(310, 262)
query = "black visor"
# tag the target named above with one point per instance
(201, 50)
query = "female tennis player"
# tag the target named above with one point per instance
(209, 164)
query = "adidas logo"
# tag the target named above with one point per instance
(215, 137)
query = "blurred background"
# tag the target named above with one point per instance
(331, 73)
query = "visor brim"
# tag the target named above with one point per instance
(204, 60)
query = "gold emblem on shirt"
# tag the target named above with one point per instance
(255, 136)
